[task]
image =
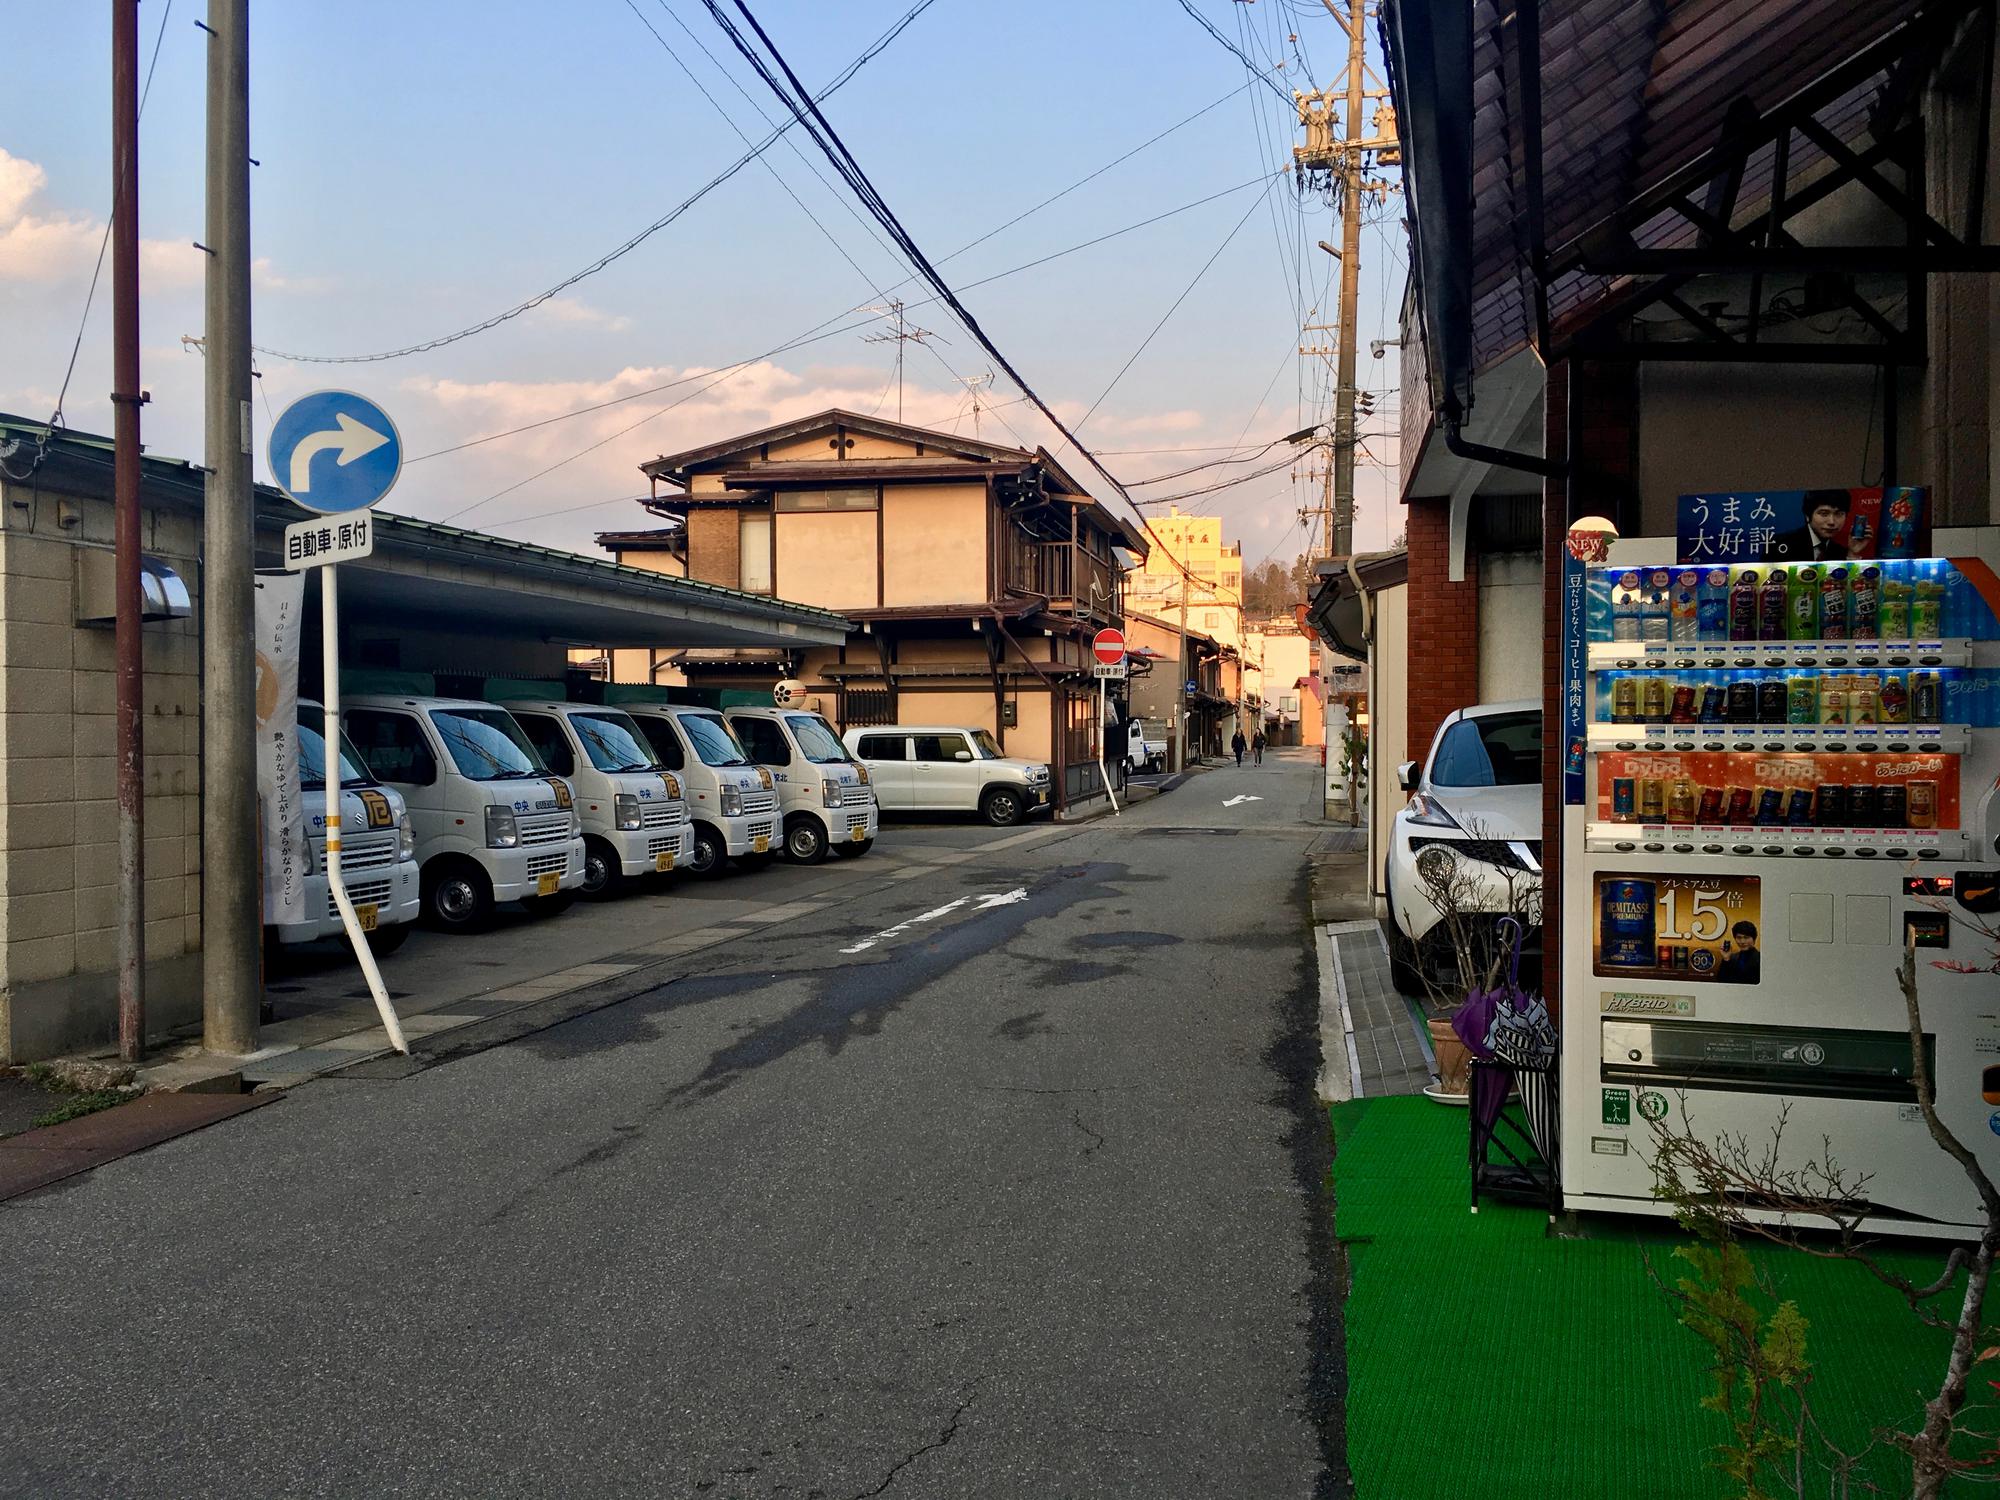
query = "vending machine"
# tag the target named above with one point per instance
(1778, 773)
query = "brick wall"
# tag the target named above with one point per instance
(1444, 627)
(714, 547)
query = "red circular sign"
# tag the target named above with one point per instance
(1108, 645)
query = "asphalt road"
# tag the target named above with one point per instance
(1003, 1180)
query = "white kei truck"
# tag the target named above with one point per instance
(635, 821)
(732, 800)
(823, 793)
(378, 849)
(492, 823)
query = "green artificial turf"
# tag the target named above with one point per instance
(1486, 1358)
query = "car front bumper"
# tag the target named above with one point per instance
(518, 874)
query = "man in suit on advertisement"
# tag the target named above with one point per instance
(1820, 539)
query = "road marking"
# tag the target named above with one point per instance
(1242, 797)
(986, 903)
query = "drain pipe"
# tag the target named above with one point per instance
(1500, 458)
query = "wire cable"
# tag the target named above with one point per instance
(1242, 56)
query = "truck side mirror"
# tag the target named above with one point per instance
(1406, 776)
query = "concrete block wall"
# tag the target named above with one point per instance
(58, 793)
(1443, 627)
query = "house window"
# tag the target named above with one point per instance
(754, 552)
(825, 500)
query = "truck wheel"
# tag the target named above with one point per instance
(709, 854)
(457, 896)
(386, 940)
(1002, 807)
(852, 850)
(805, 839)
(602, 874)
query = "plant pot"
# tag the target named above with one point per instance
(1454, 1059)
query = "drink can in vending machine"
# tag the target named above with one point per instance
(1864, 808)
(1927, 601)
(1861, 698)
(1710, 809)
(1830, 805)
(1625, 607)
(1684, 609)
(1833, 700)
(1743, 606)
(1921, 802)
(1895, 698)
(1864, 598)
(1925, 698)
(1833, 603)
(1772, 701)
(1682, 802)
(1712, 606)
(1893, 616)
(1682, 710)
(1623, 802)
(1891, 805)
(1742, 701)
(1656, 605)
(1653, 699)
(1801, 700)
(1798, 807)
(1714, 703)
(1771, 607)
(1739, 804)
(1802, 604)
(1770, 806)
(1652, 800)
(1624, 699)
(1625, 924)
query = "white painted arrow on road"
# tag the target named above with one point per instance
(986, 903)
(351, 438)
(1245, 797)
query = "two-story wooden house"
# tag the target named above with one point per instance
(974, 575)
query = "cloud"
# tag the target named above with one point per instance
(50, 249)
(577, 313)
(266, 278)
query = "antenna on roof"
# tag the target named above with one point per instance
(906, 333)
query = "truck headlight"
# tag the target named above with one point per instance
(406, 840)
(626, 808)
(830, 790)
(732, 802)
(502, 832)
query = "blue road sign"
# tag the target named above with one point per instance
(335, 451)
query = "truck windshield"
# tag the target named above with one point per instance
(712, 741)
(613, 742)
(312, 755)
(987, 745)
(486, 744)
(816, 742)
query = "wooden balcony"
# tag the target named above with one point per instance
(1067, 574)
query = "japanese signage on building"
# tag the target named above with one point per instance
(1748, 526)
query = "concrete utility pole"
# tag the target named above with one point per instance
(126, 397)
(1352, 135)
(232, 895)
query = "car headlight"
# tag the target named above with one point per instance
(625, 808)
(764, 775)
(1430, 812)
(406, 840)
(673, 785)
(732, 802)
(502, 832)
(861, 771)
(831, 792)
(1433, 862)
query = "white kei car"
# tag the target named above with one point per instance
(1476, 800)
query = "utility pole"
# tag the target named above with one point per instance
(232, 895)
(126, 397)
(1342, 540)
(904, 334)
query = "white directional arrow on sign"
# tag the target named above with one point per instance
(351, 438)
(1244, 797)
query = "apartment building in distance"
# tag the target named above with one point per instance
(1214, 593)
(973, 574)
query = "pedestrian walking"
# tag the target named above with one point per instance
(1258, 745)
(1239, 745)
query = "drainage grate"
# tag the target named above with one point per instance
(1220, 833)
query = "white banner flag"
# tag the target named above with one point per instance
(280, 602)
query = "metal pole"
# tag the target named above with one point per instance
(232, 903)
(126, 397)
(1353, 133)
(1103, 769)
(329, 658)
(1187, 580)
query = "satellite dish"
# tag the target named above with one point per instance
(791, 693)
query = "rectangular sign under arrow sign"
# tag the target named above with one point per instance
(328, 539)
(1110, 669)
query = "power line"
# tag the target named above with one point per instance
(622, 250)
(1241, 55)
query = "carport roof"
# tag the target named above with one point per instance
(427, 573)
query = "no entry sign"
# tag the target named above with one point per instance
(1108, 646)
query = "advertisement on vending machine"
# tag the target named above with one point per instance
(1698, 928)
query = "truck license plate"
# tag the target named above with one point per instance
(761, 844)
(365, 915)
(857, 833)
(664, 862)
(548, 885)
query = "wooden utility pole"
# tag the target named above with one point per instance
(126, 396)
(1352, 135)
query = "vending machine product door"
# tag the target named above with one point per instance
(1776, 787)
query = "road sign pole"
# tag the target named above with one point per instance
(329, 657)
(1103, 769)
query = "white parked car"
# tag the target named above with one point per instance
(1476, 801)
(949, 768)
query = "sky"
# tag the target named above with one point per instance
(424, 167)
